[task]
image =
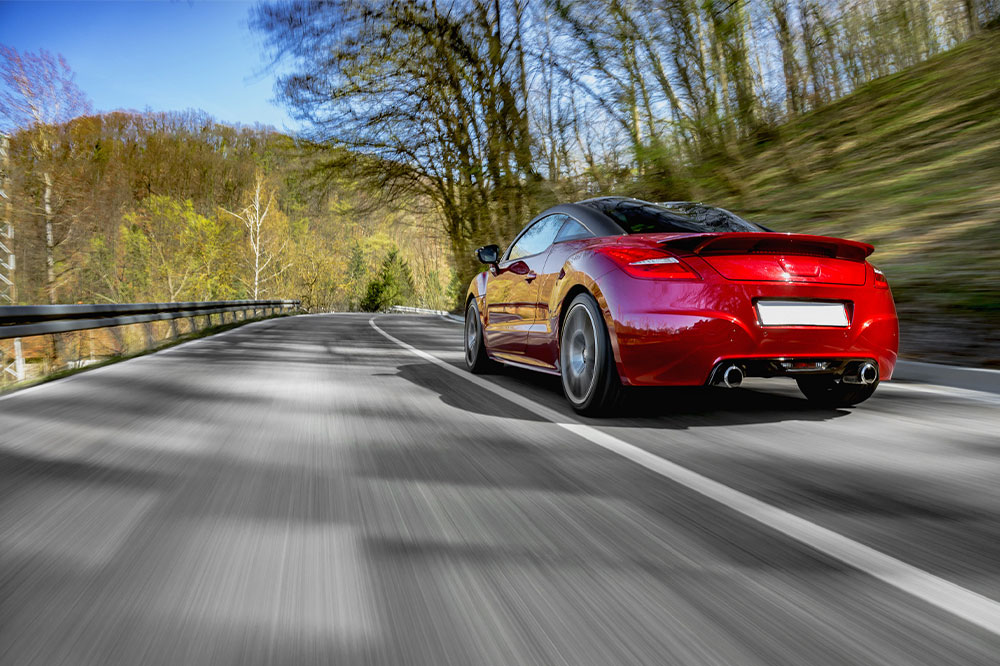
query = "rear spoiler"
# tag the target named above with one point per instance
(770, 243)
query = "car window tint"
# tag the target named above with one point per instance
(639, 217)
(712, 218)
(572, 230)
(537, 238)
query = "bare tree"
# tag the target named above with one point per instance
(263, 260)
(427, 98)
(39, 93)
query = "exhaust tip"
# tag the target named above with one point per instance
(732, 376)
(866, 373)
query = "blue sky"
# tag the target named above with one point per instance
(158, 55)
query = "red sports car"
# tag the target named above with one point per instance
(613, 292)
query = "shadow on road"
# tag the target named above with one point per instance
(25, 468)
(671, 408)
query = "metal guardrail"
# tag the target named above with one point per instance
(407, 308)
(26, 320)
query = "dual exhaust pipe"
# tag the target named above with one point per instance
(731, 376)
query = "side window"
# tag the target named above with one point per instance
(537, 238)
(572, 230)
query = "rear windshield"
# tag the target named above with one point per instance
(640, 217)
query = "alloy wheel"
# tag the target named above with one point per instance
(471, 335)
(579, 353)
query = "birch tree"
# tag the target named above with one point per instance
(39, 93)
(264, 257)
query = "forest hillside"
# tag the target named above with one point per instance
(911, 164)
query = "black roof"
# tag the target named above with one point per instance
(596, 221)
(591, 213)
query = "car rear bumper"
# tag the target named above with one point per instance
(676, 334)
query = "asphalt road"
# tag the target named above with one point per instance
(306, 490)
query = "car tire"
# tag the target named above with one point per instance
(476, 359)
(586, 361)
(826, 391)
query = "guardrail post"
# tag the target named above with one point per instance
(15, 366)
(18, 360)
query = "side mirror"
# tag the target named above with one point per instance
(489, 254)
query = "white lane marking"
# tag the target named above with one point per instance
(966, 604)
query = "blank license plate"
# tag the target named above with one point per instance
(799, 313)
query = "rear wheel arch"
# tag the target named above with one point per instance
(567, 298)
(476, 292)
(609, 323)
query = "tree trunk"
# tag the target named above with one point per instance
(972, 15)
(812, 58)
(789, 65)
(50, 243)
(256, 274)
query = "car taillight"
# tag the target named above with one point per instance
(649, 262)
(880, 281)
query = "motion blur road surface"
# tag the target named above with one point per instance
(306, 490)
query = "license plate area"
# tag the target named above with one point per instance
(802, 313)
